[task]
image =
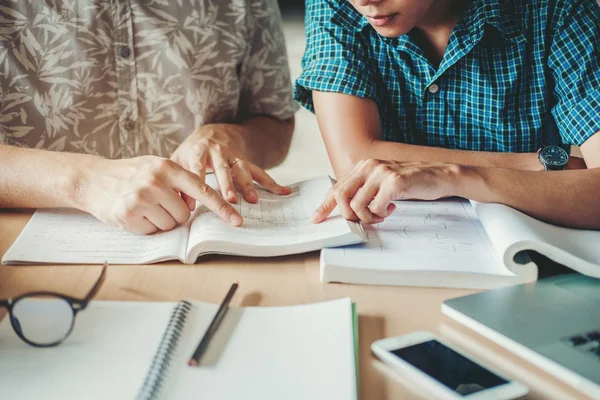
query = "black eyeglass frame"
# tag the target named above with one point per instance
(75, 303)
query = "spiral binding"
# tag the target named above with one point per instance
(162, 358)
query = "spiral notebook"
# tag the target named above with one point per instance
(135, 350)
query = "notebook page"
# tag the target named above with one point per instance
(73, 237)
(274, 220)
(297, 352)
(443, 235)
(106, 356)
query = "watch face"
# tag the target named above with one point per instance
(555, 155)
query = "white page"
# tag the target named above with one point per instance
(270, 353)
(512, 231)
(106, 356)
(443, 235)
(75, 237)
(274, 220)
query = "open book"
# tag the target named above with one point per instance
(455, 243)
(276, 225)
(129, 350)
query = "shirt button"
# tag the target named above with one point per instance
(124, 52)
(129, 125)
(433, 89)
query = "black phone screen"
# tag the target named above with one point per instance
(453, 370)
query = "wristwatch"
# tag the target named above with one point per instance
(553, 158)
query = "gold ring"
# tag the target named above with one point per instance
(235, 161)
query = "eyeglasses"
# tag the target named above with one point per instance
(46, 319)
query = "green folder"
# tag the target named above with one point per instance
(355, 326)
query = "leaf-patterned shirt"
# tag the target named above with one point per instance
(122, 78)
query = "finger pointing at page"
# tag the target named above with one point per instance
(191, 184)
(325, 208)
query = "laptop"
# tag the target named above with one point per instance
(553, 323)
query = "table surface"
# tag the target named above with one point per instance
(383, 311)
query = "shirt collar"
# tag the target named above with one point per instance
(497, 13)
(348, 17)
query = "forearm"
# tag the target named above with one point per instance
(413, 153)
(33, 178)
(266, 141)
(351, 129)
(569, 198)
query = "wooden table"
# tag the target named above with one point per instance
(383, 311)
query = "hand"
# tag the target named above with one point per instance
(368, 191)
(144, 194)
(219, 148)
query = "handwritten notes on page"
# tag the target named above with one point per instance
(444, 235)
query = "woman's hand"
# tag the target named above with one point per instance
(367, 193)
(219, 148)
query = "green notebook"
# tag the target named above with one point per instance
(355, 327)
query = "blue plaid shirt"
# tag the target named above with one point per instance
(516, 74)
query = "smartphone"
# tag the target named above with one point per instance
(442, 370)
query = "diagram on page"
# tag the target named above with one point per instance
(439, 226)
(420, 232)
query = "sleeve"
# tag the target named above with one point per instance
(265, 73)
(574, 61)
(335, 58)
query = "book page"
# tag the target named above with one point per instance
(443, 235)
(73, 237)
(274, 220)
(512, 232)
